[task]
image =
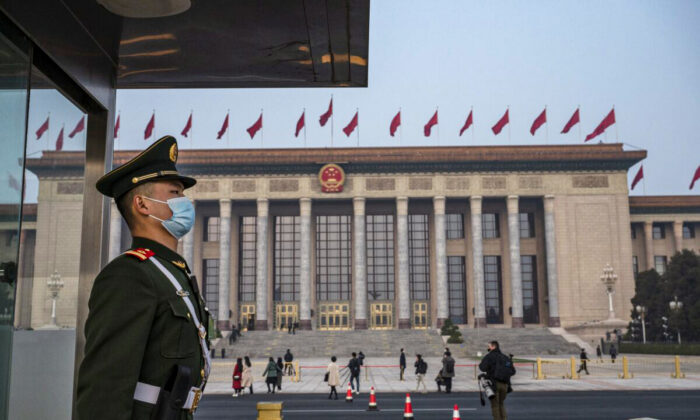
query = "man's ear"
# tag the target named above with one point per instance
(141, 206)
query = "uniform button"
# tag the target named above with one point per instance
(202, 373)
(188, 315)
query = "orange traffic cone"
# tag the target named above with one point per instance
(372, 400)
(348, 395)
(455, 413)
(408, 408)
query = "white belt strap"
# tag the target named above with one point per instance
(193, 313)
(149, 394)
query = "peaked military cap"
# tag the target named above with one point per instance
(153, 164)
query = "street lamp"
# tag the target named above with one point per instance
(676, 307)
(641, 310)
(55, 284)
(609, 278)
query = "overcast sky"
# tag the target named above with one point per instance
(643, 57)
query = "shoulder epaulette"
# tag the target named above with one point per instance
(141, 253)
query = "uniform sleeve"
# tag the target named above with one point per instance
(122, 308)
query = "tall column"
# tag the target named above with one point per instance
(649, 244)
(188, 247)
(261, 265)
(478, 263)
(678, 235)
(360, 263)
(402, 239)
(551, 249)
(223, 322)
(443, 309)
(305, 264)
(115, 232)
(516, 282)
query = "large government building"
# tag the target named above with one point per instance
(404, 237)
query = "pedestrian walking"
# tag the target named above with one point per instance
(354, 368)
(270, 375)
(333, 378)
(289, 328)
(599, 352)
(584, 358)
(499, 369)
(295, 325)
(247, 376)
(421, 369)
(288, 365)
(402, 365)
(613, 352)
(237, 373)
(361, 358)
(448, 371)
(280, 373)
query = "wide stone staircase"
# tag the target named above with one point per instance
(518, 341)
(386, 343)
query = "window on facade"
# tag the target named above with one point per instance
(380, 257)
(454, 225)
(333, 258)
(660, 263)
(211, 284)
(527, 225)
(456, 290)
(247, 259)
(418, 256)
(528, 269)
(287, 258)
(493, 289)
(657, 231)
(688, 231)
(211, 229)
(635, 265)
(633, 231)
(489, 226)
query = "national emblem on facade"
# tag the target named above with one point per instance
(332, 178)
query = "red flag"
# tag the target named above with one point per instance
(468, 123)
(116, 127)
(638, 177)
(351, 126)
(149, 127)
(429, 126)
(12, 182)
(541, 119)
(45, 126)
(695, 177)
(257, 125)
(300, 124)
(59, 141)
(78, 128)
(395, 123)
(575, 119)
(224, 127)
(501, 123)
(607, 122)
(188, 126)
(326, 115)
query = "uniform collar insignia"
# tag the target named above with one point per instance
(180, 264)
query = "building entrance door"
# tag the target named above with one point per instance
(286, 314)
(420, 315)
(382, 316)
(334, 316)
(247, 317)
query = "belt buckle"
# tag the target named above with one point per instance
(195, 400)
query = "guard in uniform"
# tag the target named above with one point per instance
(146, 350)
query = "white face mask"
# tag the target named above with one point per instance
(182, 219)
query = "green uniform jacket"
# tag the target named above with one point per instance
(138, 328)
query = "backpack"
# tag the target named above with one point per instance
(422, 367)
(450, 367)
(504, 368)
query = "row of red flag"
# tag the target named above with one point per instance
(80, 126)
(393, 126)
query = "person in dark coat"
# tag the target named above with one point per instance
(280, 373)
(402, 364)
(354, 368)
(613, 352)
(361, 358)
(448, 371)
(584, 358)
(237, 373)
(288, 359)
(599, 352)
(488, 365)
(270, 375)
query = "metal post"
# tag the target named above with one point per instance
(539, 369)
(677, 364)
(625, 369)
(574, 375)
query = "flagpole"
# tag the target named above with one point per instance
(262, 129)
(546, 126)
(508, 111)
(400, 128)
(471, 112)
(228, 129)
(617, 137)
(579, 123)
(154, 124)
(332, 121)
(48, 137)
(437, 108)
(357, 112)
(192, 129)
(304, 114)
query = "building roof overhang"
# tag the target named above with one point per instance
(664, 204)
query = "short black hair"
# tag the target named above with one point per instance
(447, 353)
(333, 359)
(354, 354)
(495, 344)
